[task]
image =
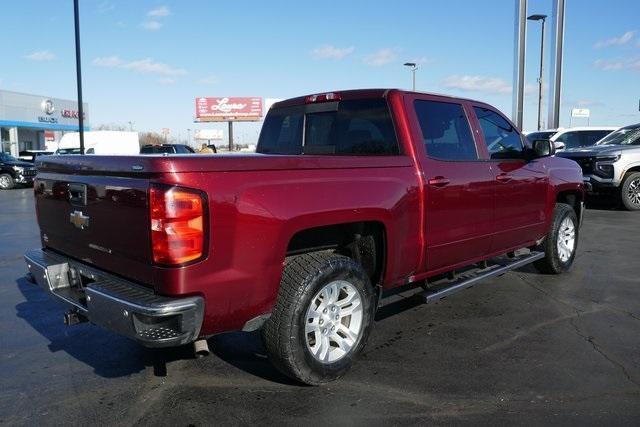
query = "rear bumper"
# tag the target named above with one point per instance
(116, 304)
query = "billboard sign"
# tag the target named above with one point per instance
(580, 112)
(209, 134)
(228, 109)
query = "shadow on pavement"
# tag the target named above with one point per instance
(244, 350)
(110, 355)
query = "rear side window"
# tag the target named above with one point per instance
(502, 139)
(445, 130)
(350, 127)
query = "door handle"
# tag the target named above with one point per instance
(438, 181)
(503, 177)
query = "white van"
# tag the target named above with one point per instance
(100, 142)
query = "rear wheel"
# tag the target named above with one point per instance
(322, 317)
(6, 182)
(560, 244)
(630, 191)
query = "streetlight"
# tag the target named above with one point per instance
(413, 66)
(543, 19)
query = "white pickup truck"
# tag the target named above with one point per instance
(612, 165)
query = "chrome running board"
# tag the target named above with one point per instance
(469, 279)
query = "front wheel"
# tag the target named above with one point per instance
(321, 319)
(560, 244)
(630, 191)
(6, 182)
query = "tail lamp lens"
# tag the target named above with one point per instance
(177, 225)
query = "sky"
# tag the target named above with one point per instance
(146, 61)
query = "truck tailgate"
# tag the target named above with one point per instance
(100, 219)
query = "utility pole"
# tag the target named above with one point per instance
(519, 55)
(76, 19)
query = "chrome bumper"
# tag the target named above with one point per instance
(116, 304)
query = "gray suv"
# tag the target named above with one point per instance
(612, 165)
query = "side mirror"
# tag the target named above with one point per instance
(559, 145)
(543, 148)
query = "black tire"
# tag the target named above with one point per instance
(630, 191)
(552, 262)
(284, 333)
(6, 182)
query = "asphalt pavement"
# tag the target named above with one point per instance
(523, 348)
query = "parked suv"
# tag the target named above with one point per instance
(577, 137)
(352, 196)
(612, 166)
(14, 172)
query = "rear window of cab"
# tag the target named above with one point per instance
(361, 127)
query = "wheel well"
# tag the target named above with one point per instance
(633, 169)
(571, 198)
(364, 242)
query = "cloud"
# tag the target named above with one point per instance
(609, 64)
(151, 25)
(107, 61)
(166, 80)
(478, 84)
(146, 65)
(105, 6)
(209, 80)
(41, 55)
(584, 103)
(331, 52)
(159, 12)
(380, 57)
(616, 41)
(635, 65)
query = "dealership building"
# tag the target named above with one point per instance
(35, 122)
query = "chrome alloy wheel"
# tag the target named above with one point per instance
(566, 239)
(633, 192)
(333, 321)
(5, 182)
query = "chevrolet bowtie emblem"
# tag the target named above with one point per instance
(79, 220)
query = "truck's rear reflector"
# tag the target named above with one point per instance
(177, 225)
(323, 97)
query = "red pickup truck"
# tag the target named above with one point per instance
(350, 195)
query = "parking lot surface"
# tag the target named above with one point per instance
(524, 348)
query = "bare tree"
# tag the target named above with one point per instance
(151, 138)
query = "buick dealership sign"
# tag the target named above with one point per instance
(228, 109)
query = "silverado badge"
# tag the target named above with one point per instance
(78, 219)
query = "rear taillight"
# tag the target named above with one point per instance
(177, 225)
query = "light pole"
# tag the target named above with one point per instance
(189, 137)
(413, 67)
(76, 21)
(542, 18)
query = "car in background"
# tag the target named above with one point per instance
(612, 166)
(166, 149)
(577, 137)
(14, 172)
(31, 155)
(545, 134)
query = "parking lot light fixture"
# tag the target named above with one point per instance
(413, 67)
(542, 18)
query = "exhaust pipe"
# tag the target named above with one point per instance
(201, 348)
(73, 318)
